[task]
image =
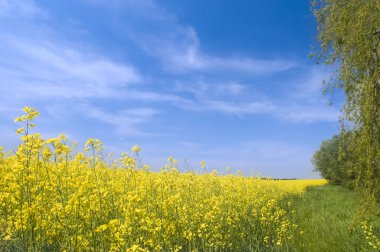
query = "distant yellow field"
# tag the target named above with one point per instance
(55, 199)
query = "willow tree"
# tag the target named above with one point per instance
(349, 39)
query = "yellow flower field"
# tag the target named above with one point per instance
(56, 198)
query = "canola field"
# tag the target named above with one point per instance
(55, 197)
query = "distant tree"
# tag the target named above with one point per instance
(349, 36)
(333, 162)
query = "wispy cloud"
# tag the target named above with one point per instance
(41, 66)
(125, 122)
(240, 108)
(306, 101)
(203, 88)
(20, 9)
(80, 83)
(302, 102)
(177, 46)
(51, 69)
(182, 53)
(292, 112)
(309, 113)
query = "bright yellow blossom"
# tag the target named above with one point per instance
(51, 198)
(20, 130)
(135, 149)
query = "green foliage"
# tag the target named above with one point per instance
(349, 36)
(333, 163)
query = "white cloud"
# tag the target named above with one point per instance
(20, 9)
(240, 108)
(177, 46)
(308, 85)
(125, 121)
(296, 113)
(181, 53)
(231, 88)
(309, 113)
(306, 101)
(72, 80)
(135, 7)
(202, 88)
(40, 66)
(302, 102)
(43, 65)
(73, 115)
(43, 68)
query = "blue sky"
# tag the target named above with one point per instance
(228, 82)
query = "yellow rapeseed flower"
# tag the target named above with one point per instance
(52, 198)
(20, 131)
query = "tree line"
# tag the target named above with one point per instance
(349, 40)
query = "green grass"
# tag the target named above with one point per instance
(325, 214)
